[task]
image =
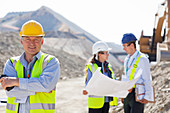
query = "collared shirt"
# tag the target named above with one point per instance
(145, 78)
(45, 83)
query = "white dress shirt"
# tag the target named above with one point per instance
(145, 78)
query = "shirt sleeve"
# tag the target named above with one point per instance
(124, 76)
(89, 75)
(19, 93)
(146, 76)
(16, 91)
(47, 80)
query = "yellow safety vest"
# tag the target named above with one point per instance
(98, 101)
(134, 68)
(41, 102)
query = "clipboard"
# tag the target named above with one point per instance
(140, 93)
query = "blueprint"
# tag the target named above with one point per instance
(101, 85)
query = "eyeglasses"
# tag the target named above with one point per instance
(127, 45)
(104, 53)
(35, 40)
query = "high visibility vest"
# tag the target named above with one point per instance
(134, 68)
(41, 102)
(98, 101)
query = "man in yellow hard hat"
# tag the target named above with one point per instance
(33, 75)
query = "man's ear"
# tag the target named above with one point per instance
(42, 41)
(21, 40)
(132, 45)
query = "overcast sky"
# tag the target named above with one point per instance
(108, 20)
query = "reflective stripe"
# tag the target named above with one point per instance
(10, 107)
(42, 106)
(47, 59)
(95, 96)
(13, 62)
(45, 62)
(92, 67)
(113, 76)
(134, 68)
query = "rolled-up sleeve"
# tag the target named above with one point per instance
(89, 75)
(19, 93)
(47, 80)
(16, 91)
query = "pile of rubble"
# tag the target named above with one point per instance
(161, 82)
(71, 65)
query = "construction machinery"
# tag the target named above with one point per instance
(157, 46)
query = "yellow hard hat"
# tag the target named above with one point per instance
(32, 28)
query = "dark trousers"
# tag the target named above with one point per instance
(130, 104)
(104, 109)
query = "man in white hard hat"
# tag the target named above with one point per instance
(33, 75)
(100, 104)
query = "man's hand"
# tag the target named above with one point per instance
(9, 82)
(143, 101)
(122, 100)
(85, 92)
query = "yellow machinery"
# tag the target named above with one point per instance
(158, 45)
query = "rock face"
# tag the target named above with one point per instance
(161, 82)
(53, 23)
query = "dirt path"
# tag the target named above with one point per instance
(69, 97)
(2, 95)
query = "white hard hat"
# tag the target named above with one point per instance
(100, 46)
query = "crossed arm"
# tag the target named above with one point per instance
(24, 86)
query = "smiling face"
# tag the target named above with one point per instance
(103, 56)
(31, 44)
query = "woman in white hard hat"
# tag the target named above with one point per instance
(99, 104)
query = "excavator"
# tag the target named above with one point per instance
(157, 46)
